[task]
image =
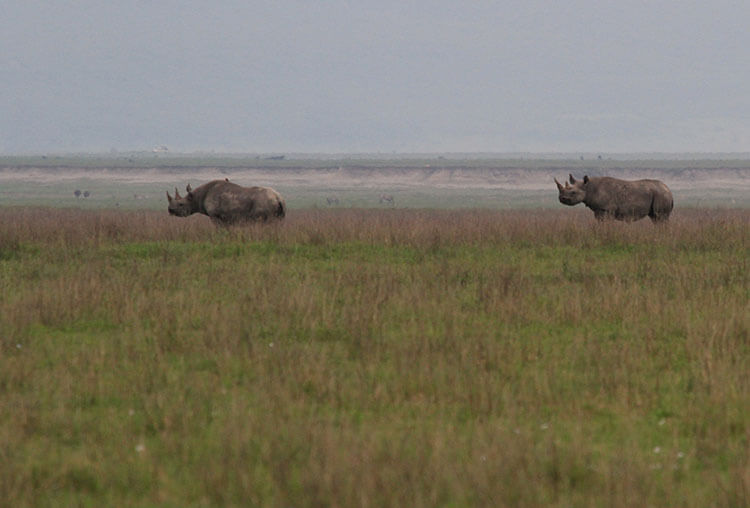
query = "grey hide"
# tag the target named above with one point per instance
(612, 198)
(227, 203)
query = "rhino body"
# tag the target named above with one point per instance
(228, 203)
(612, 198)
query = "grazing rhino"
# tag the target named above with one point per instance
(227, 203)
(611, 198)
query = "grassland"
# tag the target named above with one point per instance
(374, 358)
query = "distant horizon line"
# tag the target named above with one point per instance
(292, 155)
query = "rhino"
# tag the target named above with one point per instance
(387, 198)
(228, 203)
(612, 198)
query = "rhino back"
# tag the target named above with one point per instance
(229, 201)
(621, 198)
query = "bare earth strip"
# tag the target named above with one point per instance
(359, 186)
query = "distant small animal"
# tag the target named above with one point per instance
(77, 193)
(332, 201)
(86, 194)
(387, 198)
(228, 203)
(612, 198)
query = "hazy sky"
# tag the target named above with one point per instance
(375, 76)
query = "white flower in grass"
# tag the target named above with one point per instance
(544, 426)
(680, 455)
(657, 449)
(140, 448)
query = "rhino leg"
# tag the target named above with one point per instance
(661, 207)
(602, 215)
(658, 218)
(221, 220)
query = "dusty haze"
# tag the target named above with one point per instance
(343, 76)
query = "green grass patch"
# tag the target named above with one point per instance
(407, 358)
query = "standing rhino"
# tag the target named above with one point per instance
(611, 198)
(226, 202)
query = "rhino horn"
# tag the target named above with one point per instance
(189, 189)
(559, 186)
(169, 198)
(572, 180)
(585, 178)
(177, 194)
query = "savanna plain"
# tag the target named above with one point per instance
(374, 357)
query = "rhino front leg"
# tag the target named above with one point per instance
(220, 220)
(602, 215)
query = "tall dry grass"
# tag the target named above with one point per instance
(369, 358)
(412, 227)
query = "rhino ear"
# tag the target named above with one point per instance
(559, 186)
(585, 178)
(572, 180)
(169, 198)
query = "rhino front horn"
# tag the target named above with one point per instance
(559, 187)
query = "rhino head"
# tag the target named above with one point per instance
(181, 206)
(574, 192)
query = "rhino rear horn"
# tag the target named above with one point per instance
(177, 194)
(189, 189)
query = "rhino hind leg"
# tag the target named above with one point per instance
(658, 218)
(661, 207)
